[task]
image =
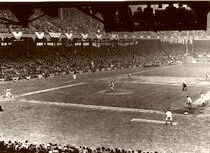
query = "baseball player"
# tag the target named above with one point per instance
(169, 117)
(189, 102)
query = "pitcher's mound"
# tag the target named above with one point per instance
(116, 92)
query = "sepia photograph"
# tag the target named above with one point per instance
(121, 76)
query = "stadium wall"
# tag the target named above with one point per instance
(147, 46)
(201, 45)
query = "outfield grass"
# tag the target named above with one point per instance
(185, 70)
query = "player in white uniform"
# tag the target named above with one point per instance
(169, 117)
(202, 98)
(74, 75)
(189, 102)
(111, 85)
(8, 93)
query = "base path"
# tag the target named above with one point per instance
(50, 89)
(96, 107)
(155, 69)
(150, 121)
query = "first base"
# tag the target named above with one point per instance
(150, 121)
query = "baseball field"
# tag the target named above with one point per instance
(84, 112)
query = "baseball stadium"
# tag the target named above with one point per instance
(68, 86)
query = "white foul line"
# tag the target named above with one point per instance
(95, 107)
(50, 89)
(150, 121)
(159, 68)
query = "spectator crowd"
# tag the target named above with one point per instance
(68, 62)
(26, 147)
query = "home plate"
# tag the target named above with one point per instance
(150, 121)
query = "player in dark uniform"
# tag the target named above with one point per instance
(206, 77)
(184, 88)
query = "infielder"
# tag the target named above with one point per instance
(169, 117)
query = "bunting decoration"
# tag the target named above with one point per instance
(173, 39)
(51, 75)
(200, 55)
(17, 35)
(84, 36)
(55, 34)
(39, 35)
(69, 35)
(99, 36)
(196, 37)
(40, 76)
(15, 78)
(1, 80)
(28, 77)
(114, 36)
